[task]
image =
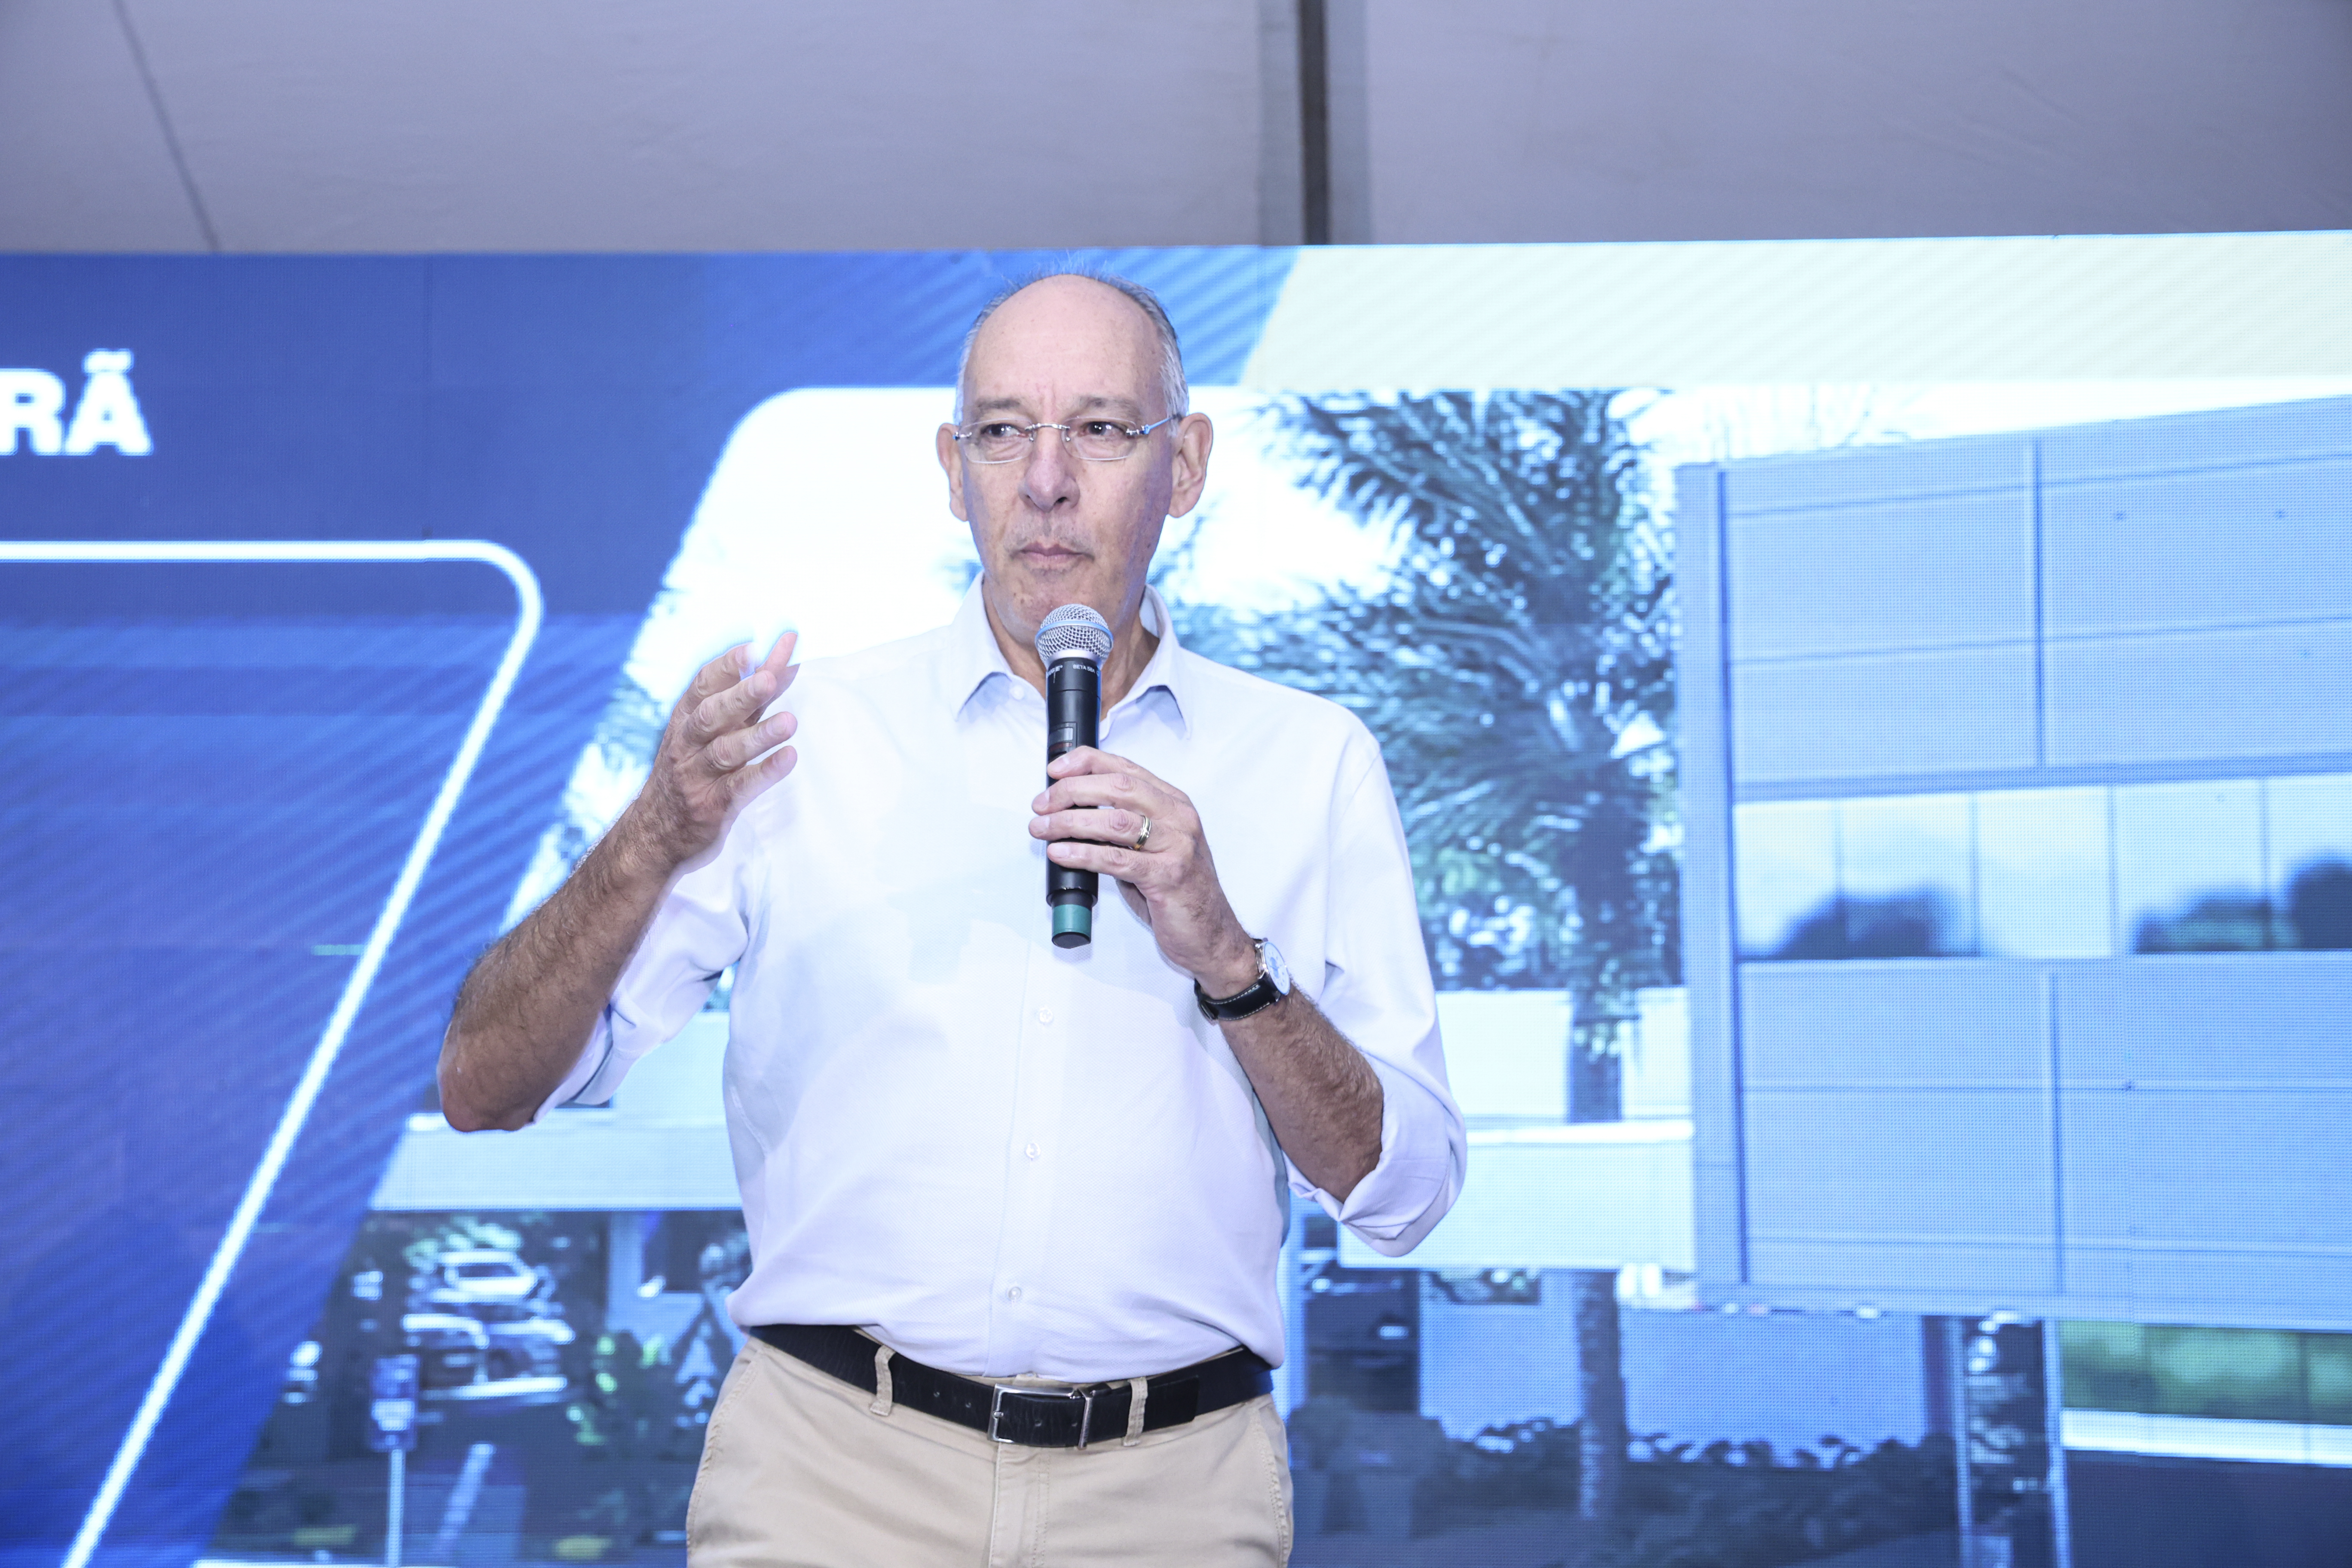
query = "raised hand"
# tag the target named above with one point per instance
(716, 755)
(532, 1000)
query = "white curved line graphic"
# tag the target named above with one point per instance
(529, 608)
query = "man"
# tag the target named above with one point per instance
(1014, 1209)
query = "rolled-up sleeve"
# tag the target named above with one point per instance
(700, 930)
(1376, 993)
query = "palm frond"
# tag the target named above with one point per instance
(1528, 621)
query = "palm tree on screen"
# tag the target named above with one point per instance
(1517, 666)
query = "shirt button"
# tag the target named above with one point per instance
(1044, 1014)
(1013, 1294)
(1031, 1151)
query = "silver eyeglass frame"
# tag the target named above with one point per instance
(1134, 434)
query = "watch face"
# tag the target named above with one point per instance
(1275, 970)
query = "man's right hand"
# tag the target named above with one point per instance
(705, 770)
(532, 1001)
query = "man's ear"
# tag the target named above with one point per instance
(952, 463)
(1194, 437)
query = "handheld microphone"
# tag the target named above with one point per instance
(1074, 641)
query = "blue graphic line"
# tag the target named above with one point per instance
(529, 608)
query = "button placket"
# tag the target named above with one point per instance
(1026, 1263)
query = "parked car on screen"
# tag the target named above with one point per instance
(524, 1338)
(487, 1275)
(452, 1351)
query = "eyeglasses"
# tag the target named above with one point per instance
(1096, 440)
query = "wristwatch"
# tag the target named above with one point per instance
(1272, 984)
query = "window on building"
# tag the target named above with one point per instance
(2042, 882)
(2310, 870)
(2229, 1375)
(1787, 877)
(2189, 867)
(1906, 875)
(2210, 865)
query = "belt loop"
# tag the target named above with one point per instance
(1139, 1388)
(882, 1404)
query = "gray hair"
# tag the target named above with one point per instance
(1172, 389)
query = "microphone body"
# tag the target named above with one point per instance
(1073, 641)
(1073, 715)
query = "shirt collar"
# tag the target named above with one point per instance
(973, 659)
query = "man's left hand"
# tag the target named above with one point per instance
(1168, 879)
(1321, 1097)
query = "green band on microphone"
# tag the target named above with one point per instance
(1074, 925)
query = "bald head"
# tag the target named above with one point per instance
(1098, 306)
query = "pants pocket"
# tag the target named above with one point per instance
(713, 1436)
(1276, 1440)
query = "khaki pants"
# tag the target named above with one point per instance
(800, 1471)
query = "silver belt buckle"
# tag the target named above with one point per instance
(996, 1408)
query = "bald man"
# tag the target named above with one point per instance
(1016, 1209)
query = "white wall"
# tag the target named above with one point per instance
(1507, 1055)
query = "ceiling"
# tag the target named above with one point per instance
(342, 126)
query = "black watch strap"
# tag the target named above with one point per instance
(1254, 997)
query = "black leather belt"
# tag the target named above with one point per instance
(1036, 1418)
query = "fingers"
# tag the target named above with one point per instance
(726, 697)
(737, 748)
(1138, 866)
(1090, 760)
(733, 708)
(749, 783)
(734, 665)
(1109, 781)
(712, 679)
(718, 752)
(778, 661)
(1114, 826)
(1172, 884)
(1097, 790)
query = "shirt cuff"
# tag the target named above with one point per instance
(1418, 1175)
(592, 1077)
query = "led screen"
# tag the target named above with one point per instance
(1870, 730)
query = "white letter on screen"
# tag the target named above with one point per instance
(30, 401)
(108, 415)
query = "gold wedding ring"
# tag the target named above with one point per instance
(1143, 834)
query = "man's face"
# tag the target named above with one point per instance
(1051, 528)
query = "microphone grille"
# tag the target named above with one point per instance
(1074, 631)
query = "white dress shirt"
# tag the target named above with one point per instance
(999, 1156)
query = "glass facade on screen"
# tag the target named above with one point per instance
(2206, 865)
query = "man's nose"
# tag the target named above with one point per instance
(1050, 477)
